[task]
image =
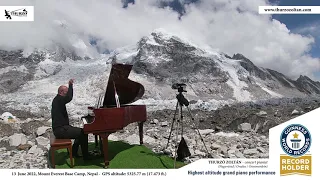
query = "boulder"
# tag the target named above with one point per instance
(30, 128)
(244, 127)
(262, 114)
(42, 130)
(215, 146)
(24, 147)
(295, 112)
(164, 124)
(17, 139)
(206, 131)
(154, 121)
(6, 130)
(42, 141)
(250, 152)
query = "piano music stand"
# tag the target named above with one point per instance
(182, 101)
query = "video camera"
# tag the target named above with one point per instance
(180, 86)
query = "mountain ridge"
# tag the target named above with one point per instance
(159, 60)
(169, 59)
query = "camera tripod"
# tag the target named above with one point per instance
(182, 101)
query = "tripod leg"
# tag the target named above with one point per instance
(177, 143)
(173, 121)
(198, 132)
(181, 119)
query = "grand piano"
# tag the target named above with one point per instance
(115, 112)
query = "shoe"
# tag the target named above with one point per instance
(90, 156)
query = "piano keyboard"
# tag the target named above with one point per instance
(88, 119)
(82, 122)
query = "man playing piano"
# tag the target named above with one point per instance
(60, 121)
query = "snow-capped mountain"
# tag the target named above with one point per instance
(208, 73)
(29, 82)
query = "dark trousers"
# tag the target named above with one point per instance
(70, 132)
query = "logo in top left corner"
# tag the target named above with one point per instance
(17, 13)
(8, 16)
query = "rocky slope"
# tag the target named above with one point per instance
(18, 67)
(27, 146)
(237, 131)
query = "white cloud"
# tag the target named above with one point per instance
(231, 26)
(312, 29)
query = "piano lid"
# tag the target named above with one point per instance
(128, 91)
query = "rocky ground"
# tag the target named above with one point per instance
(237, 131)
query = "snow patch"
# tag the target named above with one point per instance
(125, 54)
(151, 41)
(272, 93)
(231, 67)
(48, 67)
(21, 68)
(165, 35)
(231, 134)
(292, 85)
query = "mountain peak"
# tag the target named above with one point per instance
(239, 56)
(308, 85)
(303, 78)
(160, 32)
(161, 35)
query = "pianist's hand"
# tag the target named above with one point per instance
(71, 81)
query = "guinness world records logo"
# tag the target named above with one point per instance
(295, 140)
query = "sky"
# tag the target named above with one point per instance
(286, 43)
(305, 24)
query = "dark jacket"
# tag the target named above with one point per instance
(59, 114)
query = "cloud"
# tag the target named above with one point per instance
(312, 29)
(230, 26)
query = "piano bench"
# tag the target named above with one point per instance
(56, 144)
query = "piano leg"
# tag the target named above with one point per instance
(104, 138)
(141, 132)
(101, 146)
(96, 140)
